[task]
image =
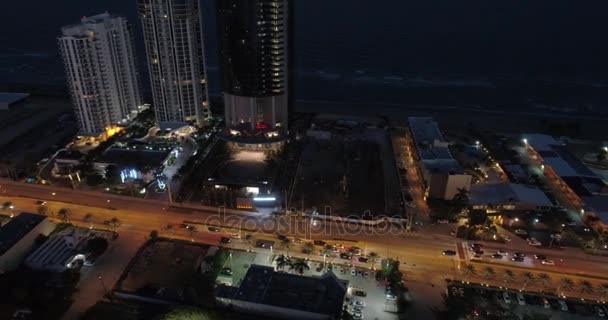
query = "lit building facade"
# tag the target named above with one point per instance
(99, 59)
(176, 62)
(253, 51)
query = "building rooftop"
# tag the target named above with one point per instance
(10, 98)
(556, 154)
(262, 285)
(502, 193)
(17, 228)
(428, 139)
(134, 158)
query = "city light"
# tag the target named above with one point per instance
(264, 199)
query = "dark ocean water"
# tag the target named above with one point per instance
(370, 50)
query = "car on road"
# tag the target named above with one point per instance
(520, 299)
(502, 252)
(213, 229)
(519, 254)
(548, 262)
(363, 259)
(225, 240)
(319, 243)
(506, 238)
(520, 231)
(562, 305)
(235, 236)
(357, 315)
(358, 303)
(540, 257)
(533, 242)
(282, 237)
(497, 256)
(359, 293)
(41, 203)
(226, 271)
(345, 255)
(506, 297)
(449, 253)
(518, 259)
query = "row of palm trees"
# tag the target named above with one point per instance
(295, 265)
(542, 279)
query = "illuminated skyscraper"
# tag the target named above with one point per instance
(253, 53)
(99, 60)
(176, 62)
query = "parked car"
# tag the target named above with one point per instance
(497, 256)
(358, 303)
(519, 254)
(353, 272)
(345, 255)
(225, 240)
(235, 236)
(363, 259)
(502, 252)
(546, 304)
(282, 237)
(319, 243)
(520, 299)
(359, 293)
(506, 297)
(518, 259)
(562, 305)
(443, 221)
(600, 313)
(213, 229)
(520, 231)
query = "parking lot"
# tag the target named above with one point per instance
(497, 301)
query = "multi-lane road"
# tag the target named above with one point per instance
(420, 252)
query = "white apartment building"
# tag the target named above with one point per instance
(176, 62)
(100, 64)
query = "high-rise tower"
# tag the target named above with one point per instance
(176, 62)
(99, 59)
(253, 53)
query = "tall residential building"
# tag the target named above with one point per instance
(176, 62)
(99, 59)
(253, 52)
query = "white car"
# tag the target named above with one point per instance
(443, 221)
(562, 305)
(502, 252)
(546, 304)
(358, 303)
(391, 297)
(520, 299)
(548, 262)
(506, 297)
(600, 313)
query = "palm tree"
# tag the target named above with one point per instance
(566, 284)
(469, 270)
(88, 218)
(169, 229)
(299, 266)
(545, 280)
(115, 223)
(489, 273)
(508, 276)
(527, 278)
(308, 248)
(6, 205)
(372, 258)
(63, 214)
(602, 289)
(282, 261)
(286, 245)
(585, 286)
(250, 240)
(42, 210)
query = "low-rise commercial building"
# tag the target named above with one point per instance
(17, 238)
(508, 196)
(282, 295)
(579, 189)
(441, 174)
